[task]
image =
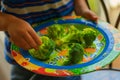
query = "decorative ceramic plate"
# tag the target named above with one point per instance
(106, 50)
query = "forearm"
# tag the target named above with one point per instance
(81, 4)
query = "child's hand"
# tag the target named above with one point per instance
(81, 9)
(87, 14)
(22, 34)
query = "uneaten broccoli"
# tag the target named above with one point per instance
(74, 54)
(56, 31)
(72, 35)
(89, 35)
(69, 39)
(77, 52)
(45, 49)
(77, 36)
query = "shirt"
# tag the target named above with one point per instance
(37, 10)
(34, 11)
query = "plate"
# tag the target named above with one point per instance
(106, 50)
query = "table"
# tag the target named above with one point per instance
(102, 75)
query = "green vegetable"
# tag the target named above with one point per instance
(77, 52)
(68, 43)
(72, 34)
(74, 54)
(56, 31)
(89, 35)
(76, 35)
(45, 49)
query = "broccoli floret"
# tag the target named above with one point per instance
(45, 49)
(89, 35)
(61, 34)
(72, 35)
(76, 35)
(74, 54)
(56, 31)
(77, 52)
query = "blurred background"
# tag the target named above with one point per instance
(113, 8)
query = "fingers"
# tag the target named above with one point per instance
(32, 38)
(26, 40)
(88, 14)
(22, 34)
(91, 15)
(35, 37)
(30, 41)
(20, 42)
